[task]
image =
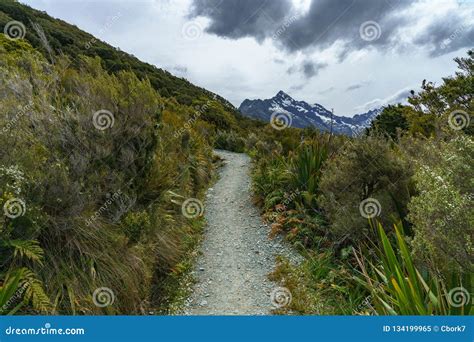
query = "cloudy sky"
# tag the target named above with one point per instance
(350, 55)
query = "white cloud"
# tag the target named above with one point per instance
(243, 68)
(400, 96)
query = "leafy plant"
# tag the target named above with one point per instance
(397, 287)
(304, 169)
(10, 301)
(21, 287)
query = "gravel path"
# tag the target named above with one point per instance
(236, 253)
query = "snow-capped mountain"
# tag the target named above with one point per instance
(302, 114)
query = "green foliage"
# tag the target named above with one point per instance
(399, 288)
(304, 168)
(390, 122)
(101, 206)
(21, 286)
(230, 141)
(438, 102)
(441, 213)
(28, 249)
(135, 224)
(35, 292)
(367, 167)
(96, 206)
(9, 291)
(319, 285)
(416, 167)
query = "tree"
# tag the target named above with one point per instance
(391, 121)
(442, 103)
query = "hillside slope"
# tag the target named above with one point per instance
(103, 150)
(72, 41)
(53, 37)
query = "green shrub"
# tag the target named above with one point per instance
(442, 216)
(304, 168)
(135, 224)
(94, 195)
(230, 141)
(366, 168)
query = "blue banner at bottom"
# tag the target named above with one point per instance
(236, 329)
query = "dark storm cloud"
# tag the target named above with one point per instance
(242, 18)
(448, 35)
(308, 68)
(326, 22)
(329, 20)
(311, 69)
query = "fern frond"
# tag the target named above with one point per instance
(26, 248)
(35, 292)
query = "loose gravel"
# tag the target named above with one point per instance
(236, 254)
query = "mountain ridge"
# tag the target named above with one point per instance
(301, 114)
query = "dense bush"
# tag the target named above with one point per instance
(367, 168)
(91, 159)
(230, 141)
(442, 215)
(305, 169)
